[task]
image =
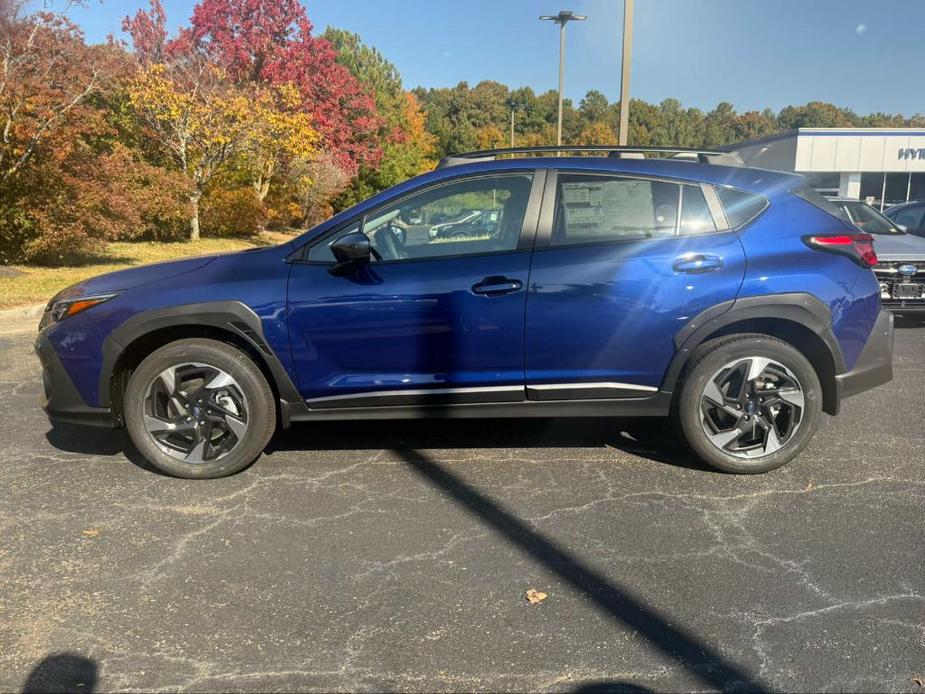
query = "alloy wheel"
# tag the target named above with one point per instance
(752, 407)
(195, 412)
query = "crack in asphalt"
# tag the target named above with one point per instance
(336, 568)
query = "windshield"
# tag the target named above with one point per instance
(867, 219)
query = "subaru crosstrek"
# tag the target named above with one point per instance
(734, 300)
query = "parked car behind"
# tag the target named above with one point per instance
(738, 302)
(475, 223)
(910, 216)
(900, 264)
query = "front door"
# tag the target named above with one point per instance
(620, 266)
(430, 320)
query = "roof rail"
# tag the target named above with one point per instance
(705, 156)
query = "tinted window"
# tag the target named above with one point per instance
(740, 207)
(806, 192)
(470, 216)
(867, 219)
(599, 208)
(696, 217)
(322, 252)
(909, 217)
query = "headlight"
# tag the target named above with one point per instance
(65, 308)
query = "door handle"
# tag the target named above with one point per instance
(497, 286)
(696, 263)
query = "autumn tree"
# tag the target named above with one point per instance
(204, 117)
(206, 123)
(598, 133)
(815, 114)
(407, 147)
(66, 183)
(47, 73)
(271, 42)
(281, 133)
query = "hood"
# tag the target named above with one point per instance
(133, 277)
(899, 247)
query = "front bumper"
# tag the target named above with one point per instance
(62, 402)
(875, 365)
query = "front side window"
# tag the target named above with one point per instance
(476, 215)
(592, 209)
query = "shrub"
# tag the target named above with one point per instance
(234, 212)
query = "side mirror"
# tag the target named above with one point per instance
(902, 227)
(352, 251)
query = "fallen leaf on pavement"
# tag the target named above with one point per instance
(917, 681)
(535, 596)
(91, 532)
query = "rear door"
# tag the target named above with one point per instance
(621, 264)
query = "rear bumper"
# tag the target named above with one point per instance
(875, 365)
(62, 402)
(904, 306)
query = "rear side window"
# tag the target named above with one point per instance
(807, 193)
(592, 209)
(740, 207)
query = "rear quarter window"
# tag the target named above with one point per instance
(808, 193)
(740, 207)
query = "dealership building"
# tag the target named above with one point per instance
(884, 166)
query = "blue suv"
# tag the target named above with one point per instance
(735, 301)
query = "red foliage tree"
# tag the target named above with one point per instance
(271, 41)
(149, 33)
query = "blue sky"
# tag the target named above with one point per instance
(866, 55)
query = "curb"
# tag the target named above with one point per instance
(20, 320)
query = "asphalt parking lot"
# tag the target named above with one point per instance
(372, 556)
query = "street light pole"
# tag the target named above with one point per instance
(563, 18)
(561, 80)
(625, 77)
(512, 128)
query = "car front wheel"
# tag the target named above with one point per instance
(749, 403)
(199, 408)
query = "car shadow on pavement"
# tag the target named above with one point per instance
(648, 438)
(97, 441)
(909, 320)
(614, 601)
(610, 687)
(644, 437)
(62, 672)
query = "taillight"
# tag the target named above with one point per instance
(858, 247)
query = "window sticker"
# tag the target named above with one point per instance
(619, 204)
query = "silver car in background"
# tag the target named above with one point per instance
(901, 257)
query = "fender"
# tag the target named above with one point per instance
(797, 307)
(231, 316)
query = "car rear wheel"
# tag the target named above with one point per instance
(199, 409)
(749, 403)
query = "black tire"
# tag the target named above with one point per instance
(259, 411)
(706, 363)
